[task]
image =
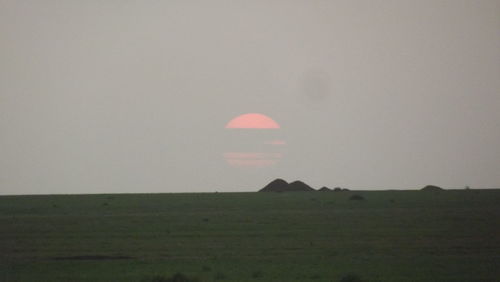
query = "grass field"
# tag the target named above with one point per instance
(304, 236)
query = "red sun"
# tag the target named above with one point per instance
(253, 120)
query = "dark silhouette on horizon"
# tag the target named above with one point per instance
(432, 188)
(280, 185)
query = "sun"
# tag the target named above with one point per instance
(253, 120)
(253, 140)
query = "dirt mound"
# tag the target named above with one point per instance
(277, 185)
(299, 186)
(432, 188)
(338, 189)
(280, 185)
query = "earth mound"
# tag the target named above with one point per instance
(432, 188)
(280, 185)
(277, 185)
(338, 189)
(299, 186)
(324, 189)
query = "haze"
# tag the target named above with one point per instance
(133, 96)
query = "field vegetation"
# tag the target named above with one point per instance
(300, 236)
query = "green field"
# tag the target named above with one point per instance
(303, 236)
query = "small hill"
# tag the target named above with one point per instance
(432, 188)
(277, 185)
(280, 185)
(299, 186)
(325, 189)
(338, 189)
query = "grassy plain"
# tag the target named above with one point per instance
(303, 236)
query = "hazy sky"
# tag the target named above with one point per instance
(133, 96)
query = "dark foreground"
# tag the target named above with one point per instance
(303, 236)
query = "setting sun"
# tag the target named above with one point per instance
(250, 146)
(253, 120)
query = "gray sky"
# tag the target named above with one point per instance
(133, 96)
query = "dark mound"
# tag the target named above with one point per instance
(338, 189)
(299, 186)
(432, 188)
(324, 189)
(356, 198)
(277, 185)
(280, 185)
